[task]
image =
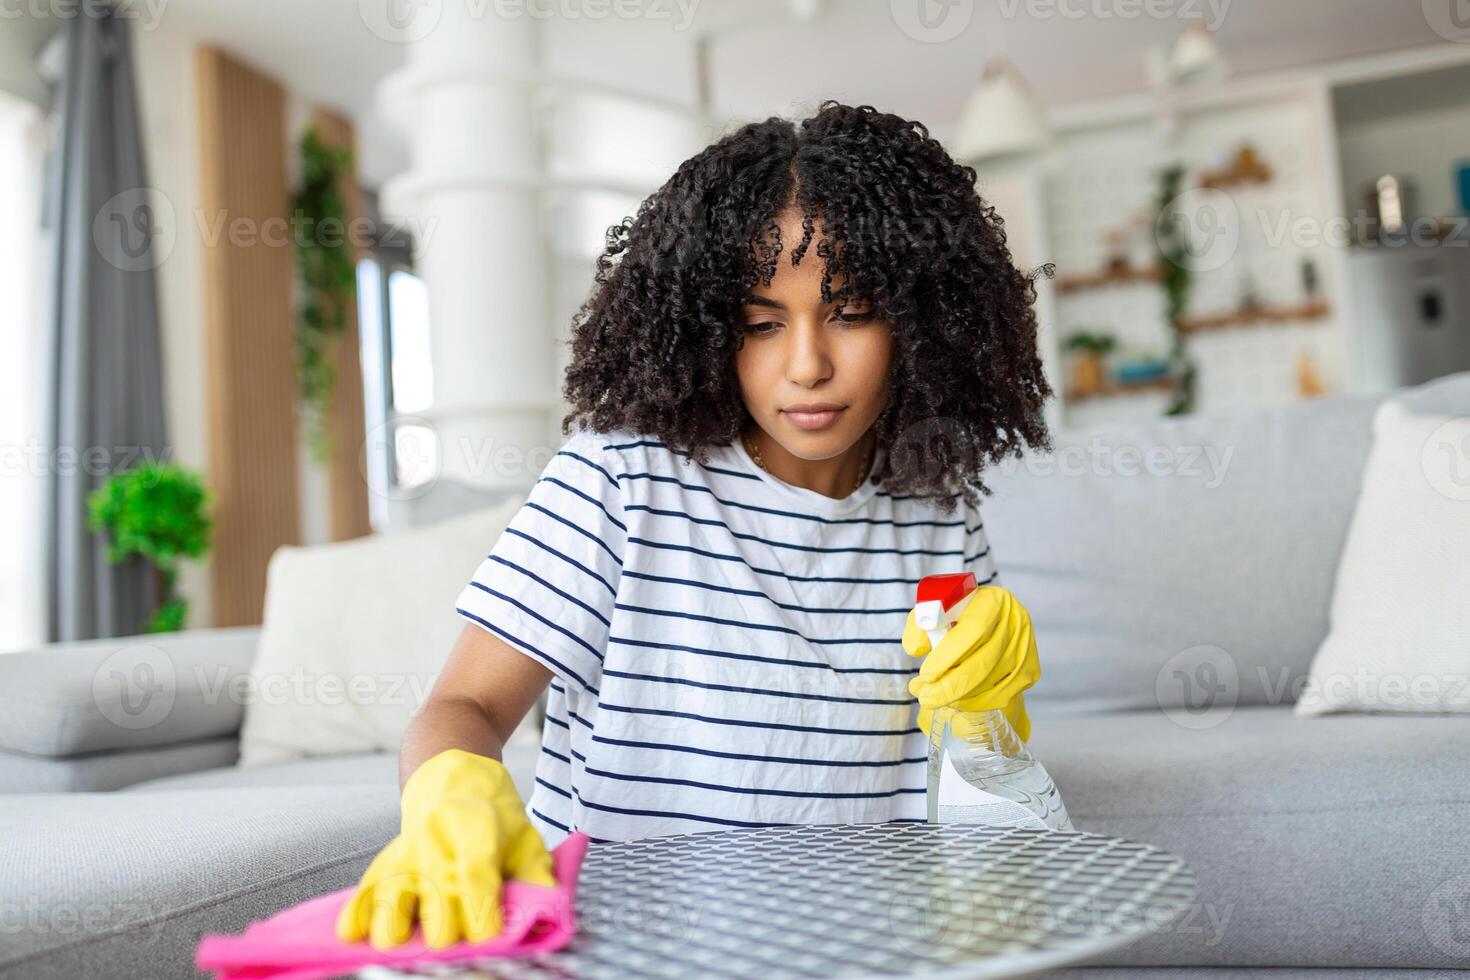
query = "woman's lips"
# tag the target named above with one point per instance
(813, 417)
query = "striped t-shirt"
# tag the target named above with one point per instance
(726, 646)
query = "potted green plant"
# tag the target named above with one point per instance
(161, 512)
(1087, 368)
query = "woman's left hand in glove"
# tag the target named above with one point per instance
(985, 660)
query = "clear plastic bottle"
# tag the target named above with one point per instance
(981, 772)
(979, 769)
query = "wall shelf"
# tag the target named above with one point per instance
(1108, 277)
(1235, 175)
(1114, 388)
(1255, 316)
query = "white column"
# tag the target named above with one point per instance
(467, 98)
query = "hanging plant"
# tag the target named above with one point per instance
(1173, 252)
(158, 511)
(327, 281)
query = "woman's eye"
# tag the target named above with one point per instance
(855, 317)
(763, 326)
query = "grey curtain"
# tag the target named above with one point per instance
(105, 410)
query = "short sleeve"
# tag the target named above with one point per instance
(978, 556)
(548, 585)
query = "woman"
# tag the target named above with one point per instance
(795, 365)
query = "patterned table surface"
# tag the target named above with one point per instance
(852, 900)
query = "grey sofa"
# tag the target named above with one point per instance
(1176, 608)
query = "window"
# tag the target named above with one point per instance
(398, 380)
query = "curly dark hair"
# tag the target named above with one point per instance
(653, 347)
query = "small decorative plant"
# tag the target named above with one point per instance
(1098, 344)
(158, 511)
(327, 279)
(1087, 370)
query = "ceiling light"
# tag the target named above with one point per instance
(1002, 117)
(1193, 57)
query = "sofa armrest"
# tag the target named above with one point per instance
(133, 692)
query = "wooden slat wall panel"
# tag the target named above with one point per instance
(346, 485)
(249, 330)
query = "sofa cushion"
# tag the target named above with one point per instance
(1400, 637)
(124, 884)
(124, 693)
(355, 633)
(1332, 841)
(1200, 564)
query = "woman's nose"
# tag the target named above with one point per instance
(808, 362)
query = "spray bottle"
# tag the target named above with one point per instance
(979, 769)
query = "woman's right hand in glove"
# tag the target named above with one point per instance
(463, 833)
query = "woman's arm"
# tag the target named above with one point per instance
(479, 698)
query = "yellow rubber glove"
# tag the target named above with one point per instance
(463, 832)
(985, 660)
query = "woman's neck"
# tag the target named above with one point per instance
(837, 477)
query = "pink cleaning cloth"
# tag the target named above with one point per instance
(301, 942)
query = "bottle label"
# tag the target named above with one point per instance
(961, 801)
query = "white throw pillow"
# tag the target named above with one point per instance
(1400, 616)
(355, 633)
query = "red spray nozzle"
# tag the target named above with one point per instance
(945, 589)
(939, 602)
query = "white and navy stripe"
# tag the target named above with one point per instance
(725, 645)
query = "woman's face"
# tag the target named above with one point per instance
(814, 382)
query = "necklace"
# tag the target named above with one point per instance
(755, 455)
